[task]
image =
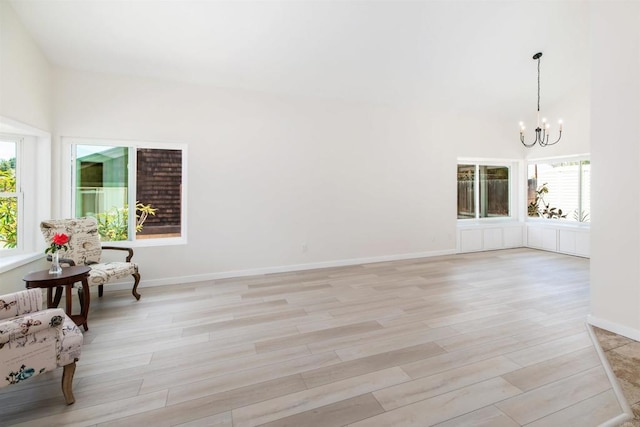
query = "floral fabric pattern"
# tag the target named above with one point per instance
(32, 340)
(20, 326)
(103, 273)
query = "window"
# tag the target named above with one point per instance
(10, 197)
(560, 189)
(484, 191)
(134, 190)
(25, 197)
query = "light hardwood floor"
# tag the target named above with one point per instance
(488, 339)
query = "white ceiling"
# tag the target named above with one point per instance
(471, 54)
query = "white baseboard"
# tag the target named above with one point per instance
(619, 329)
(277, 269)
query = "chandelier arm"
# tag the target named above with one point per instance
(556, 141)
(528, 145)
(544, 141)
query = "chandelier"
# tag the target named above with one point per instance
(542, 129)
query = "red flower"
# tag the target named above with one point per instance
(58, 242)
(60, 239)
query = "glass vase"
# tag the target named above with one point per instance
(55, 264)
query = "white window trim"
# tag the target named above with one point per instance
(67, 176)
(516, 197)
(35, 181)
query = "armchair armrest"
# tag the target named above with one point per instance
(118, 248)
(26, 324)
(67, 261)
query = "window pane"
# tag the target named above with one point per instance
(466, 198)
(532, 187)
(102, 189)
(8, 222)
(159, 193)
(585, 213)
(494, 191)
(8, 199)
(554, 190)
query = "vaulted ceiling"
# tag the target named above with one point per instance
(447, 54)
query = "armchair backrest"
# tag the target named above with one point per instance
(84, 240)
(22, 302)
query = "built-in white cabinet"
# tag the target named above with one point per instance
(470, 240)
(481, 237)
(558, 237)
(546, 235)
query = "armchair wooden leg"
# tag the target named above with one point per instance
(100, 290)
(67, 382)
(134, 291)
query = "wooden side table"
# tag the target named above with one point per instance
(68, 277)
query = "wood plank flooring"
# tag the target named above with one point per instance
(488, 339)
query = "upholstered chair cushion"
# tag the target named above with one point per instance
(103, 273)
(34, 341)
(27, 324)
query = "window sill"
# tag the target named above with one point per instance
(15, 261)
(487, 222)
(559, 223)
(141, 243)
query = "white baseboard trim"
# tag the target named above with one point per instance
(277, 269)
(617, 390)
(619, 329)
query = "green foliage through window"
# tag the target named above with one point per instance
(113, 225)
(539, 207)
(8, 205)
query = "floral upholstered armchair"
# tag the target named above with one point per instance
(34, 341)
(84, 248)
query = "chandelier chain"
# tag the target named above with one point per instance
(538, 85)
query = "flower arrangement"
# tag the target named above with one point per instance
(58, 242)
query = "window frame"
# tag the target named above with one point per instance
(559, 159)
(69, 144)
(34, 184)
(514, 166)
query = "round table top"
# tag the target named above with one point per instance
(67, 273)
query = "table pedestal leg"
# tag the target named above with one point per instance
(52, 302)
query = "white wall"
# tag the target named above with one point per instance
(25, 107)
(25, 84)
(615, 132)
(267, 174)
